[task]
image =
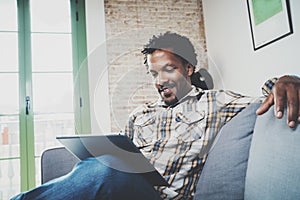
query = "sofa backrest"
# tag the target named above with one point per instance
(223, 175)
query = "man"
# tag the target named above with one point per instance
(174, 133)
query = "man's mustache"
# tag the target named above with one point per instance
(161, 87)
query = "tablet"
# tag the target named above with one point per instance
(84, 146)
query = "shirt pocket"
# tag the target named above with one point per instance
(145, 130)
(190, 126)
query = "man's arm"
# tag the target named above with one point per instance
(285, 93)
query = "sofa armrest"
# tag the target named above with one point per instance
(274, 160)
(56, 162)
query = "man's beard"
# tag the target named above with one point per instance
(172, 102)
(168, 86)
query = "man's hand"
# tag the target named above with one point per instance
(285, 93)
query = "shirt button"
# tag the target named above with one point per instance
(178, 119)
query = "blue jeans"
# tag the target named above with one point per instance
(94, 179)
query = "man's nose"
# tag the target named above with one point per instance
(160, 79)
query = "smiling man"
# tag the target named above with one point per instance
(175, 133)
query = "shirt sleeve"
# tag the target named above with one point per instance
(267, 87)
(235, 103)
(232, 103)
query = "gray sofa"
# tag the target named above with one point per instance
(252, 158)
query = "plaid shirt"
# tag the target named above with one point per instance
(177, 139)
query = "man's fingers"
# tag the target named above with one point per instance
(285, 95)
(267, 103)
(293, 107)
(279, 100)
(299, 107)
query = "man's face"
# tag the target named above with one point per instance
(171, 77)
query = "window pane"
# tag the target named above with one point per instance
(8, 52)
(50, 16)
(10, 178)
(9, 87)
(8, 15)
(52, 92)
(48, 126)
(9, 124)
(9, 142)
(51, 52)
(38, 178)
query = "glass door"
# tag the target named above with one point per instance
(52, 74)
(9, 101)
(41, 42)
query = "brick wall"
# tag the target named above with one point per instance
(129, 25)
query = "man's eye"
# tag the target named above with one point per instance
(169, 69)
(153, 74)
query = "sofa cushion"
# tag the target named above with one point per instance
(223, 175)
(274, 160)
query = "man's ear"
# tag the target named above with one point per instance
(190, 69)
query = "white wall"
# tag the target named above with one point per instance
(97, 64)
(232, 60)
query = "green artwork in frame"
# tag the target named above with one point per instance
(270, 21)
(265, 9)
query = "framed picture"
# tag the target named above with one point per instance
(270, 21)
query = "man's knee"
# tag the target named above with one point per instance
(96, 166)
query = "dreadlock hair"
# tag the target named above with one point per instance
(177, 44)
